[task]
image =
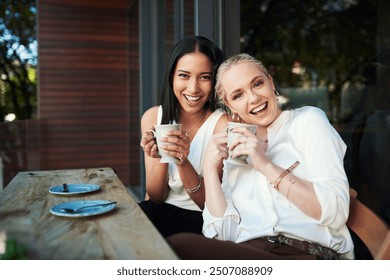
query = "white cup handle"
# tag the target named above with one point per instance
(154, 135)
(152, 131)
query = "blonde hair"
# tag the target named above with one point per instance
(227, 64)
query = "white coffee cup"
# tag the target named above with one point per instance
(233, 136)
(161, 131)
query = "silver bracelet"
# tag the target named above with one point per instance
(195, 189)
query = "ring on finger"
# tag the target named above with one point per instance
(181, 156)
(142, 145)
(186, 136)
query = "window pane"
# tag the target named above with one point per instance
(325, 54)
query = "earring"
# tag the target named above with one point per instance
(277, 94)
(236, 118)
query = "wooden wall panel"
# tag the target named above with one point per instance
(134, 92)
(88, 49)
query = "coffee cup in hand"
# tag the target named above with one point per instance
(161, 131)
(242, 159)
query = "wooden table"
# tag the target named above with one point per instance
(124, 233)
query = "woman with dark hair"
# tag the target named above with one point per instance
(175, 190)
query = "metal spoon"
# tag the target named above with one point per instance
(75, 210)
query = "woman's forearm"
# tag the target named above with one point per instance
(215, 198)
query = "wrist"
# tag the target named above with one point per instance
(183, 162)
(285, 172)
(211, 169)
(196, 188)
(265, 167)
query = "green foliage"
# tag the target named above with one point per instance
(14, 251)
(18, 59)
(331, 39)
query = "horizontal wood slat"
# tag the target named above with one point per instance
(84, 93)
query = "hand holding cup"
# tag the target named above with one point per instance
(160, 132)
(233, 136)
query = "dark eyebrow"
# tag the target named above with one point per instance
(235, 91)
(187, 72)
(251, 82)
(184, 71)
(255, 78)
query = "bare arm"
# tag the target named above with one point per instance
(297, 191)
(156, 172)
(190, 177)
(212, 170)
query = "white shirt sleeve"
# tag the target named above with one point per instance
(222, 228)
(324, 152)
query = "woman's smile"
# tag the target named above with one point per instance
(259, 109)
(191, 98)
(252, 96)
(192, 82)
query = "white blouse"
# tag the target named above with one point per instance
(177, 194)
(255, 209)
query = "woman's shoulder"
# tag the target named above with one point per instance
(149, 117)
(309, 110)
(221, 120)
(218, 113)
(310, 113)
(311, 120)
(152, 111)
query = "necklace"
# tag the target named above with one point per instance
(192, 127)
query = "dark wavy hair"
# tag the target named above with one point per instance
(185, 46)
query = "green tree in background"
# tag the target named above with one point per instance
(18, 61)
(331, 39)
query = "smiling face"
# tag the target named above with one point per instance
(192, 81)
(249, 92)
